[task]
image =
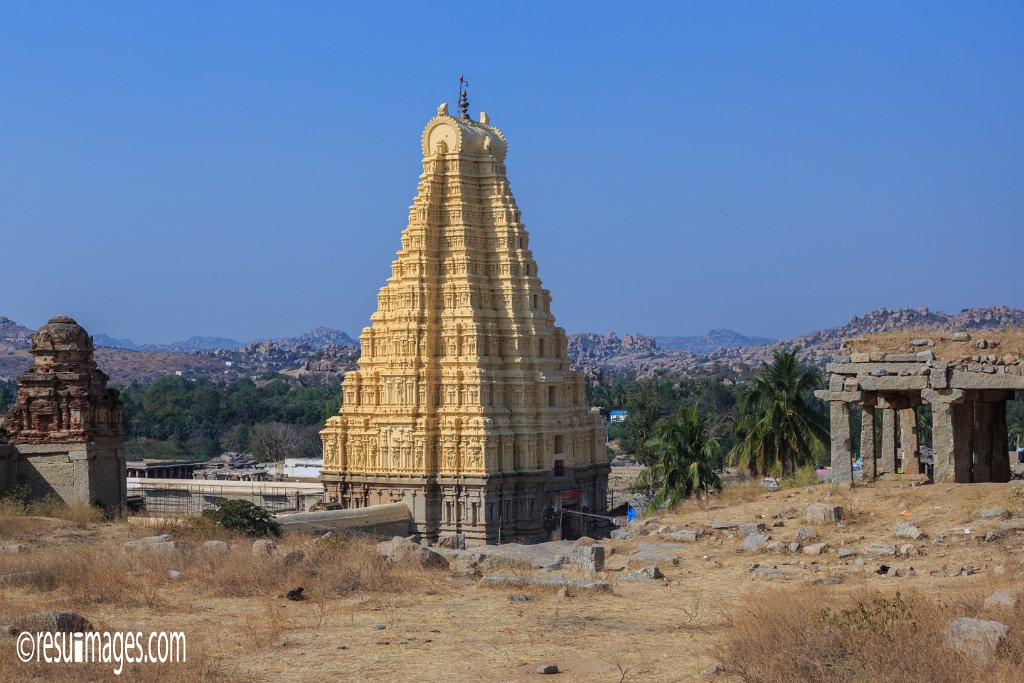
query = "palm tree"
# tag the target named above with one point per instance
(778, 425)
(683, 451)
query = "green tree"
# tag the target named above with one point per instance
(682, 454)
(779, 426)
(242, 515)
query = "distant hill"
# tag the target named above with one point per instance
(186, 346)
(637, 355)
(318, 338)
(13, 336)
(711, 341)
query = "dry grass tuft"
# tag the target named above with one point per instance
(806, 634)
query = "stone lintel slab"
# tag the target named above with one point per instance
(868, 368)
(894, 383)
(978, 380)
(844, 396)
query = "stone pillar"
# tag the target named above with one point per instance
(840, 428)
(947, 429)
(982, 446)
(887, 457)
(1000, 443)
(963, 435)
(867, 442)
(908, 441)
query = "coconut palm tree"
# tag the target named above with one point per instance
(778, 426)
(682, 453)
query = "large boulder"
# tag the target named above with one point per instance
(406, 552)
(976, 638)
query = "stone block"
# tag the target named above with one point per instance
(686, 535)
(820, 513)
(590, 558)
(815, 548)
(751, 528)
(960, 337)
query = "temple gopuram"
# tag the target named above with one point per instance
(64, 434)
(464, 406)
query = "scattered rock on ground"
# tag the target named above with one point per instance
(547, 669)
(754, 541)
(215, 547)
(1001, 599)
(907, 530)
(263, 547)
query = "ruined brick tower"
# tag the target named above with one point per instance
(64, 430)
(464, 406)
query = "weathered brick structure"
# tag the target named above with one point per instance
(464, 406)
(64, 432)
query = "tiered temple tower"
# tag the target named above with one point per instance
(65, 428)
(464, 406)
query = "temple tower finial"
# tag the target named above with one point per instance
(463, 98)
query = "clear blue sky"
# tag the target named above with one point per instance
(244, 169)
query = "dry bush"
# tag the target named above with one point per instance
(199, 666)
(808, 634)
(743, 492)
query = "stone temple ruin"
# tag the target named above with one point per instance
(965, 379)
(464, 406)
(64, 435)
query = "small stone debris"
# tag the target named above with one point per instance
(715, 668)
(846, 552)
(620, 534)
(823, 580)
(993, 513)
(519, 597)
(645, 574)
(12, 548)
(379, 627)
(815, 548)
(547, 669)
(881, 549)
(778, 524)
(751, 528)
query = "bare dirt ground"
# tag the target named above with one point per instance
(369, 621)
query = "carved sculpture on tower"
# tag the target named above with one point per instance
(64, 432)
(464, 406)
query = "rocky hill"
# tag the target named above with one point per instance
(13, 336)
(599, 356)
(711, 341)
(326, 354)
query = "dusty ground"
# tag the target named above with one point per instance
(440, 626)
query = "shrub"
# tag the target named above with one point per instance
(243, 516)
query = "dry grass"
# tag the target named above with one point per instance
(804, 633)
